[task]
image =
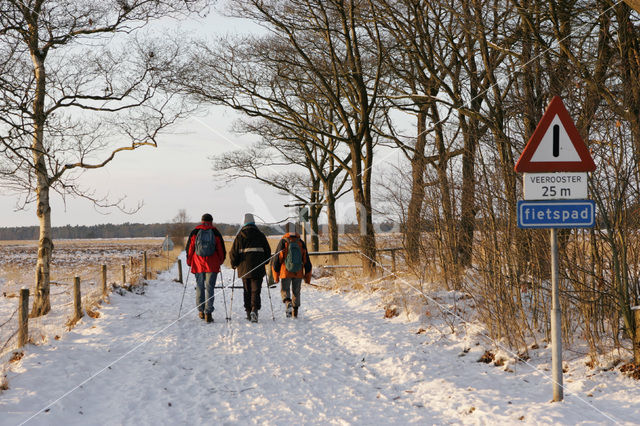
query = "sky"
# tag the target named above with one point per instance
(178, 173)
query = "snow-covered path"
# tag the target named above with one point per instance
(340, 363)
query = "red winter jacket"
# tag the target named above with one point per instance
(205, 263)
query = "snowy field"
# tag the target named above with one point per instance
(341, 362)
(71, 258)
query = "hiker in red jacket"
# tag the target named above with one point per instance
(291, 265)
(205, 253)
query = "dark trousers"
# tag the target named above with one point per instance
(291, 287)
(252, 288)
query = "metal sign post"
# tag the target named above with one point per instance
(555, 162)
(556, 326)
(167, 245)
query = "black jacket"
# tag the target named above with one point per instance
(250, 252)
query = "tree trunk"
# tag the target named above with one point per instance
(636, 336)
(367, 235)
(368, 238)
(41, 302)
(445, 192)
(314, 212)
(468, 197)
(413, 225)
(629, 45)
(332, 223)
(314, 207)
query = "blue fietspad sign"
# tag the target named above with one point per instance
(557, 214)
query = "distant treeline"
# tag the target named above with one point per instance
(109, 230)
(126, 230)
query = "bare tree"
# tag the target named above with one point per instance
(608, 47)
(179, 228)
(334, 53)
(77, 88)
(323, 185)
(413, 40)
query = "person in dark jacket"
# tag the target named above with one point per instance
(291, 269)
(250, 254)
(205, 253)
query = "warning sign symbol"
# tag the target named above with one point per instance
(556, 145)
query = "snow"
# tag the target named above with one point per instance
(341, 362)
(82, 258)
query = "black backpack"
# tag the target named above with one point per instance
(205, 243)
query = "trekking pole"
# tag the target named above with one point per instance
(273, 317)
(184, 291)
(232, 287)
(224, 298)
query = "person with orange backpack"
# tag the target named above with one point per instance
(205, 253)
(291, 265)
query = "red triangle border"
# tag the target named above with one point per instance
(525, 165)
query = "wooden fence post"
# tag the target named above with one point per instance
(104, 280)
(180, 271)
(23, 318)
(144, 262)
(77, 299)
(124, 275)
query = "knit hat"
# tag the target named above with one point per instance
(207, 217)
(248, 219)
(290, 228)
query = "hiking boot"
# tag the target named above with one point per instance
(208, 317)
(254, 317)
(289, 310)
(201, 314)
(249, 315)
(295, 312)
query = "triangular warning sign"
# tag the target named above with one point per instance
(556, 145)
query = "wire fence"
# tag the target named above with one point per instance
(95, 283)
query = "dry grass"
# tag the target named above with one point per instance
(17, 356)
(82, 258)
(72, 322)
(75, 257)
(4, 383)
(161, 261)
(13, 273)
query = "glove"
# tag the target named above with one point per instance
(307, 278)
